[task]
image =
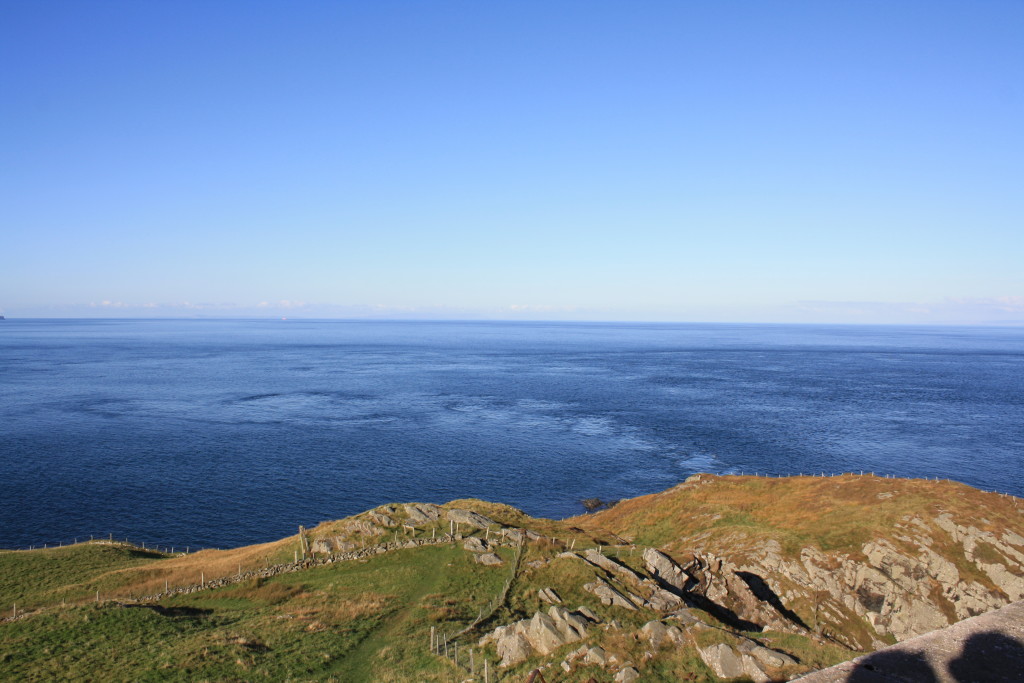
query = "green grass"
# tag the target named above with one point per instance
(34, 578)
(355, 621)
(370, 619)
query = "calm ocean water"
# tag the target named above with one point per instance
(219, 433)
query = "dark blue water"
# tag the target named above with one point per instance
(218, 433)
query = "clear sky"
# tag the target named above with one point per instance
(753, 161)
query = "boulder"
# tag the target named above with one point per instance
(489, 559)
(608, 595)
(513, 648)
(596, 655)
(475, 545)
(627, 675)
(661, 634)
(549, 595)
(723, 660)
(573, 626)
(663, 601)
(765, 656)
(656, 632)
(541, 634)
(544, 635)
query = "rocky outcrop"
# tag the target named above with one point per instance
(660, 634)
(381, 519)
(610, 596)
(475, 545)
(489, 559)
(420, 514)
(549, 595)
(611, 566)
(540, 635)
(469, 517)
(904, 586)
(727, 663)
(665, 570)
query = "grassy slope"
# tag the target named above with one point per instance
(370, 619)
(356, 621)
(75, 572)
(831, 513)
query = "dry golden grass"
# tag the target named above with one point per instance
(203, 565)
(832, 513)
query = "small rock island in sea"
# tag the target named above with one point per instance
(718, 578)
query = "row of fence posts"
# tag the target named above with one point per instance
(109, 538)
(441, 646)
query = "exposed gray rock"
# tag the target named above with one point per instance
(513, 648)
(469, 517)
(586, 612)
(627, 675)
(663, 601)
(608, 595)
(572, 626)
(542, 634)
(489, 559)
(664, 569)
(765, 656)
(381, 519)
(612, 566)
(596, 655)
(658, 633)
(422, 513)
(723, 660)
(686, 616)
(549, 595)
(475, 545)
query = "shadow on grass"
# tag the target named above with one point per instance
(194, 613)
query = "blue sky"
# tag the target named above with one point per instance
(692, 161)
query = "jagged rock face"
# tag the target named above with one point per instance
(904, 586)
(664, 569)
(541, 635)
(469, 517)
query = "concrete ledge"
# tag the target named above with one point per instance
(988, 648)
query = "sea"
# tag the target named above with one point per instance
(217, 433)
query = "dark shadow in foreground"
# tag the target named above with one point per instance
(987, 657)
